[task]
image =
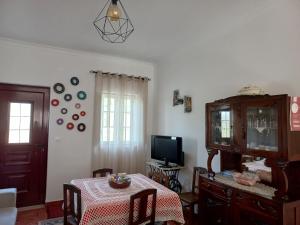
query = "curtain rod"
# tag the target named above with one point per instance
(119, 74)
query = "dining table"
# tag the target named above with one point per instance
(104, 205)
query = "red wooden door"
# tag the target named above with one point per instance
(24, 117)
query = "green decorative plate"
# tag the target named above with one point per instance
(81, 95)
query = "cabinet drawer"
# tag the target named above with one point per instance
(257, 204)
(213, 188)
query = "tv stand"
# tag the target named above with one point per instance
(171, 170)
(165, 166)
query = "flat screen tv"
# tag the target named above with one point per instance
(167, 148)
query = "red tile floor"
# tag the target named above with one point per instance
(32, 217)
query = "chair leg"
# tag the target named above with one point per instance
(189, 214)
(65, 220)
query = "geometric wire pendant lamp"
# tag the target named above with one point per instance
(113, 23)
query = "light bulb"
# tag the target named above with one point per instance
(113, 12)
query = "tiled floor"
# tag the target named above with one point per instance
(31, 217)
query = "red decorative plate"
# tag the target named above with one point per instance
(54, 102)
(82, 113)
(70, 126)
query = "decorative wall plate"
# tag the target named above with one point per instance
(251, 90)
(77, 105)
(55, 102)
(60, 121)
(70, 126)
(81, 127)
(64, 111)
(75, 117)
(68, 97)
(81, 95)
(58, 88)
(74, 81)
(82, 113)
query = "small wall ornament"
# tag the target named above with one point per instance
(59, 88)
(74, 81)
(186, 100)
(68, 97)
(187, 104)
(81, 95)
(55, 102)
(177, 100)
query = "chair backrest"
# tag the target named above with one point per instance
(161, 178)
(72, 193)
(142, 198)
(197, 171)
(102, 172)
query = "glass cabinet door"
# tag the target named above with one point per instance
(221, 126)
(262, 128)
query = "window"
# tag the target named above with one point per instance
(127, 118)
(225, 124)
(116, 118)
(19, 123)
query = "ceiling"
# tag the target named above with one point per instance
(161, 26)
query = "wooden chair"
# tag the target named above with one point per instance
(161, 178)
(190, 199)
(102, 172)
(72, 210)
(142, 217)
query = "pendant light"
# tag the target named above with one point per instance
(113, 23)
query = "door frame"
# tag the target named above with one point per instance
(45, 129)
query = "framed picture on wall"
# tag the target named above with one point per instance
(187, 104)
(176, 98)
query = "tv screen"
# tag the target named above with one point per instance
(167, 148)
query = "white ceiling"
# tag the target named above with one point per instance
(161, 26)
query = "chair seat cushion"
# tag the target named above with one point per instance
(8, 216)
(189, 197)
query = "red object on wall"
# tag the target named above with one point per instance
(295, 114)
(54, 102)
(70, 126)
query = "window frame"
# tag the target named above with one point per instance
(123, 111)
(30, 124)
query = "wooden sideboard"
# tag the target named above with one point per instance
(226, 204)
(254, 127)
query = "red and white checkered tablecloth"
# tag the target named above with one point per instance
(104, 205)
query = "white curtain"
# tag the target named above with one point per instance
(120, 123)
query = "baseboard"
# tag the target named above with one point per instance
(26, 208)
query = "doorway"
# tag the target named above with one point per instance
(24, 122)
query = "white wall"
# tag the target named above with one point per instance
(69, 152)
(264, 51)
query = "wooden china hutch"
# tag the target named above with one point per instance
(253, 129)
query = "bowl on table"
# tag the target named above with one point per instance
(119, 181)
